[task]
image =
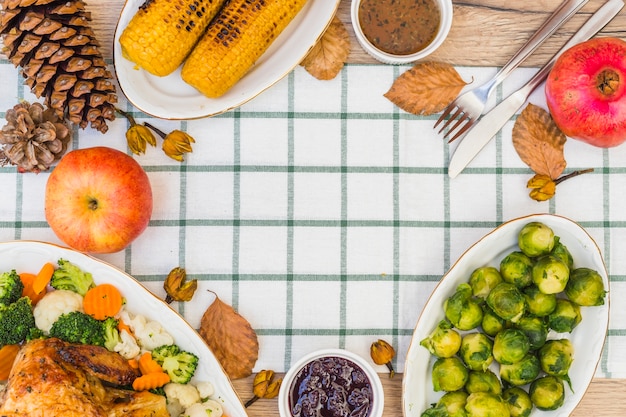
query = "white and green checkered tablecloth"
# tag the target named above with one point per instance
(324, 214)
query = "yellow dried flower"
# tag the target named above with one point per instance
(264, 386)
(137, 136)
(382, 353)
(177, 287)
(176, 144)
(542, 187)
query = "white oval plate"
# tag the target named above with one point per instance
(29, 256)
(588, 337)
(170, 97)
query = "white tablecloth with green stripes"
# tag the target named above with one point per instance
(325, 215)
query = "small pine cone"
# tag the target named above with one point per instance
(33, 138)
(52, 43)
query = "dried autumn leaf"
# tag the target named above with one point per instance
(231, 338)
(427, 88)
(328, 56)
(539, 142)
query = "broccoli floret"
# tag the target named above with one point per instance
(69, 276)
(16, 321)
(178, 364)
(78, 327)
(11, 287)
(111, 334)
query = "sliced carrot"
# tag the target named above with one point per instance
(7, 357)
(150, 381)
(123, 326)
(43, 278)
(147, 365)
(28, 279)
(102, 301)
(133, 363)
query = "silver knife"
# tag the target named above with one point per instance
(482, 132)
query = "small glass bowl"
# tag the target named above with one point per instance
(378, 395)
(445, 7)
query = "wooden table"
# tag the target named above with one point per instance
(484, 33)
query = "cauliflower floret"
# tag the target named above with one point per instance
(205, 389)
(209, 408)
(185, 394)
(127, 347)
(53, 304)
(150, 334)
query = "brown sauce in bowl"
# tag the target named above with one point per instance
(399, 27)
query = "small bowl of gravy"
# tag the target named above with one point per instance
(401, 31)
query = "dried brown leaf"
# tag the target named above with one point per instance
(427, 88)
(231, 338)
(328, 56)
(539, 142)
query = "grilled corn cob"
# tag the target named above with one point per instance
(237, 37)
(163, 32)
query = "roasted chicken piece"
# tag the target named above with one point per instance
(52, 378)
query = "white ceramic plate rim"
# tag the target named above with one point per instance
(588, 338)
(28, 256)
(171, 98)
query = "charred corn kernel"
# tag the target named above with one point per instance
(163, 32)
(237, 37)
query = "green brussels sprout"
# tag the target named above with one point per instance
(483, 279)
(519, 402)
(463, 311)
(536, 239)
(449, 374)
(476, 351)
(516, 268)
(522, 372)
(451, 404)
(565, 317)
(550, 274)
(507, 301)
(483, 381)
(556, 357)
(444, 341)
(560, 251)
(547, 393)
(537, 303)
(486, 404)
(535, 328)
(585, 287)
(510, 346)
(492, 323)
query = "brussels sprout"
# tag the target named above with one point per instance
(547, 393)
(550, 274)
(449, 374)
(451, 404)
(476, 351)
(519, 401)
(483, 381)
(492, 323)
(560, 251)
(444, 341)
(535, 328)
(538, 303)
(585, 287)
(510, 346)
(463, 311)
(483, 279)
(556, 357)
(516, 268)
(522, 372)
(486, 404)
(565, 317)
(536, 239)
(507, 301)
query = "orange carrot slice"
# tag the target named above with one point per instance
(7, 357)
(147, 365)
(28, 279)
(150, 381)
(43, 278)
(102, 301)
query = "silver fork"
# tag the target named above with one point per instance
(470, 105)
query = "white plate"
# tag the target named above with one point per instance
(588, 337)
(29, 256)
(171, 98)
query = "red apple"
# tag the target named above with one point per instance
(98, 200)
(586, 92)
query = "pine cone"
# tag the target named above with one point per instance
(58, 53)
(34, 138)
